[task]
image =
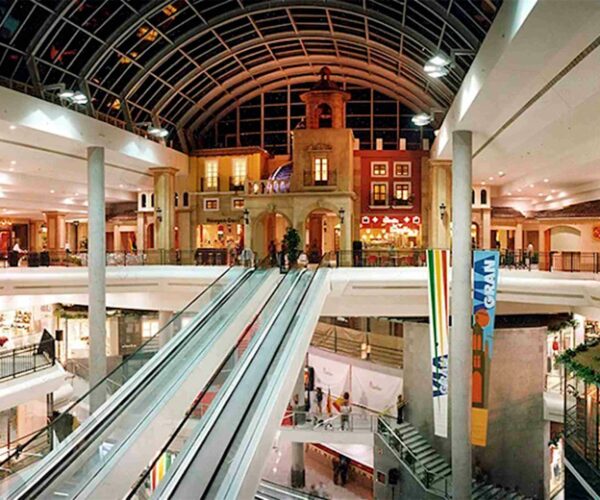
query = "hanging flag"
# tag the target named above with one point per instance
(485, 283)
(329, 403)
(437, 268)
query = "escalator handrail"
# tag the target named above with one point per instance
(290, 326)
(168, 488)
(118, 401)
(217, 407)
(287, 490)
(53, 423)
(205, 389)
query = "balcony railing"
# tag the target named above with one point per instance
(310, 180)
(28, 359)
(236, 183)
(267, 187)
(210, 184)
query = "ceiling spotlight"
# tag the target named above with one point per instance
(52, 191)
(531, 185)
(491, 178)
(483, 183)
(66, 94)
(158, 131)
(436, 71)
(420, 120)
(509, 194)
(11, 169)
(13, 127)
(519, 190)
(540, 194)
(120, 186)
(79, 98)
(501, 174)
(546, 180)
(553, 191)
(439, 59)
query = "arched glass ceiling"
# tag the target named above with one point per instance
(186, 63)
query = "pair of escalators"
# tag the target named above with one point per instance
(188, 414)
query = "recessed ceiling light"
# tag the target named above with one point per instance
(11, 169)
(540, 194)
(13, 127)
(491, 178)
(546, 180)
(139, 189)
(501, 173)
(13, 162)
(508, 194)
(519, 190)
(121, 186)
(483, 183)
(52, 191)
(76, 194)
(553, 190)
(531, 185)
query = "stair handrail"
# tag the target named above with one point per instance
(405, 451)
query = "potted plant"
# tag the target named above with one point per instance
(292, 244)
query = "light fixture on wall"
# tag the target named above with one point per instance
(159, 214)
(342, 214)
(422, 119)
(442, 210)
(73, 96)
(246, 216)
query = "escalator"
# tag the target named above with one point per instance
(221, 455)
(150, 394)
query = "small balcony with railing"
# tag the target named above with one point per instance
(210, 184)
(321, 180)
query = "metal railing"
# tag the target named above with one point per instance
(310, 179)
(433, 482)
(197, 257)
(380, 258)
(27, 359)
(311, 420)
(267, 187)
(210, 184)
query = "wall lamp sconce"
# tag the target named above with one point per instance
(159, 214)
(442, 210)
(342, 213)
(246, 216)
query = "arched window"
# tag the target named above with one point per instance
(472, 197)
(186, 199)
(143, 200)
(176, 200)
(484, 197)
(324, 112)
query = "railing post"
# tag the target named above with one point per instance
(14, 364)
(34, 359)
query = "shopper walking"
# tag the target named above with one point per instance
(345, 410)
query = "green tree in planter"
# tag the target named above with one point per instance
(292, 243)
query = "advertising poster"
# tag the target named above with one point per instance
(485, 283)
(437, 270)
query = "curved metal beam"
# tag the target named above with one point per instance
(343, 6)
(441, 89)
(293, 66)
(300, 66)
(284, 82)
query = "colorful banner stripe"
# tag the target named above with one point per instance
(160, 470)
(437, 267)
(485, 283)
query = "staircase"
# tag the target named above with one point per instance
(428, 467)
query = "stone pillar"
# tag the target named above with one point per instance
(140, 234)
(116, 238)
(97, 273)
(297, 472)
(519, 237)
(460, 360)
(439, 194)
(163, 319)
(486, 229)
(164, 207)
(57, 230)
(346, 230)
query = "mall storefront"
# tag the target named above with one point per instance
(390, 232)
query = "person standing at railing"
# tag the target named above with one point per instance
(400, 405)
(530, 251)
(345, 410)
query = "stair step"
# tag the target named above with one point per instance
(433, 462)
(420, 448)
(413, 440)
(482, 491)
(426, 454)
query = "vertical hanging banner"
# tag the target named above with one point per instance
(437, 270)
(485, 283)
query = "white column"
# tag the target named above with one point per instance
(97, 273)
(461, 337)
(163, 318)
(297, 470)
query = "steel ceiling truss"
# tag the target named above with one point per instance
(189, 61)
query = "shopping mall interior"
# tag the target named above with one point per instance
(301, 249)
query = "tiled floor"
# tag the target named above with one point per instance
(278, 465)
